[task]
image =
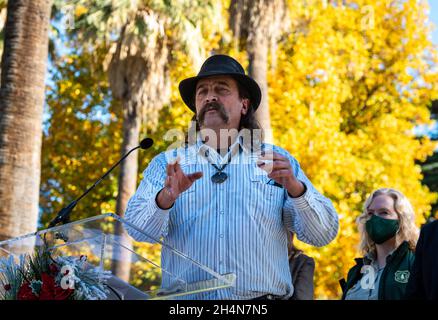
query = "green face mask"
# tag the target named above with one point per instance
(380, 229)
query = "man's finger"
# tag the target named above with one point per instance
(177, 168)
(276, 164)
(280, 174)
(265, 165)
(169, 170)
(272, 156)
(195, 176)
(174, 165)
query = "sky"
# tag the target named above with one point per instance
(434, 18)
(426, 129)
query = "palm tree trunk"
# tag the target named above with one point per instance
(256, 25)
(129, 167)
(248, 21)
(257, 49)
(2, 24)
(141, 84)
(127, 184)
(21, 108)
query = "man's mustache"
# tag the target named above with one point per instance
(213, 106)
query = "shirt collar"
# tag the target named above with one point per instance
(202, 147)
(371, 257)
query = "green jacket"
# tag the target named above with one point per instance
(395, 276)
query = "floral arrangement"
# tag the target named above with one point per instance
(42, 277)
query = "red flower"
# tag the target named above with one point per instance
(50, 291)
(53, 268)
(7, 287)
(25, 292)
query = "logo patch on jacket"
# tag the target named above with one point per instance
(402, 276)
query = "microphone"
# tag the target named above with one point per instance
(145, 144)
(63, 216)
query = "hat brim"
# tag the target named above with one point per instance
(187, 88)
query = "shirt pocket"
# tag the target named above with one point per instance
(266, 198)
(185, 207)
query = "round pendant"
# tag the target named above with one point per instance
(219, 177)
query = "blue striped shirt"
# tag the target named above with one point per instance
(239, 226)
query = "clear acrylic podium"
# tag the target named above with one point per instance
(98, 239)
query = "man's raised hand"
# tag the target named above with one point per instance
(176, 183)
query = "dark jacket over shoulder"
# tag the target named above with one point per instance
(423, 283)
(395, 276)
(302, 268)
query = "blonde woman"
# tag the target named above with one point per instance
(388, 239)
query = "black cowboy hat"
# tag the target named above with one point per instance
(220, 65)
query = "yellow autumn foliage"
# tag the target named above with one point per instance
(351, 83)
(352, 80)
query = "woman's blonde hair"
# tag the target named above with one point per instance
(408, 231)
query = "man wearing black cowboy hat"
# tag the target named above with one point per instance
(223, 204)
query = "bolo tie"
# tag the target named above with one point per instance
(219, 176)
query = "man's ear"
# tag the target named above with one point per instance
(245, 106)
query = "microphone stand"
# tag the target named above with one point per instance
(63, 215)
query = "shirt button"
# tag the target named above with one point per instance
(221, 236)
(221, 212)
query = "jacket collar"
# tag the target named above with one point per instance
(400, 251)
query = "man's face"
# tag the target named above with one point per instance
(218, 105)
